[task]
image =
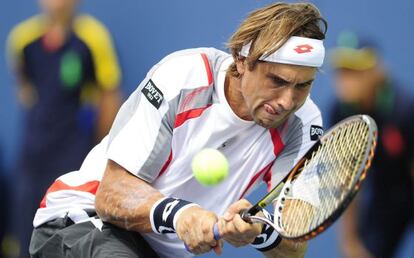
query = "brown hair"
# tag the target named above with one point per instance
(268, 28)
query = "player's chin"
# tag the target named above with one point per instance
(269, 121)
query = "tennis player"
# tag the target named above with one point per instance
(135, 195)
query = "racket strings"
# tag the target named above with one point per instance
(332, 170)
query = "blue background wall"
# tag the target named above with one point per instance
(145, 31)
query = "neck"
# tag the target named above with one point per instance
(235, 98)
(63, 20)
(369, 102)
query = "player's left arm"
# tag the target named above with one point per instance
(238, 233)
(106, 69)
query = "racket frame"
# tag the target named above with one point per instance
(284, 184)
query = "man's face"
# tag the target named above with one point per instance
(355, 86)
(273, 91)
(58, 7)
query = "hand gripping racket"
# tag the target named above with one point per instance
(322, 184)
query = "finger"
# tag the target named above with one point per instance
(200, 249)
(210, 231)
(230, 234)
(240, 225)
(235, 208)
(226, 228)
(251, 229)
(218, 249)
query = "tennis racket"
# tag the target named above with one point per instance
(322, 184)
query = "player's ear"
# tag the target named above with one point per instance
(241, 65)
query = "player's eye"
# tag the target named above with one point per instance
(277, 81)
(303, 85)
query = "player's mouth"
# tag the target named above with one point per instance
(271, 111)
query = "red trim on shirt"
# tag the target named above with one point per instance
(208, 69)
(196, 112)
(255, 177)
(166, 164)
(267, 178)
(191, 95)
(90, 187)
(186, 115)
(277, 141)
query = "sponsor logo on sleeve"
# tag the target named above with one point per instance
(315, 132)
(153, 94)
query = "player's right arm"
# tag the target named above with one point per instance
(139, 150)
(126, 201)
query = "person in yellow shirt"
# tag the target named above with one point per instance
(68, 77)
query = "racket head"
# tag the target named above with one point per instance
(325, 180)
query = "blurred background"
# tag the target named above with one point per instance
(145, 31)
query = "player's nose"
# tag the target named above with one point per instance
(286, 99)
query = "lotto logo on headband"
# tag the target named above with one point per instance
(303, 49)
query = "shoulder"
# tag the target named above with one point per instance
(92, 31)
(86, 22)
(308, 113)
(186, 69)
(305, 125)
(26, 32)
(404, 101)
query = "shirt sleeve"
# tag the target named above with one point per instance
(19, 37)
(303, 129)
(140, 138)
(98, 39)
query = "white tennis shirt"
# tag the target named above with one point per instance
(177, 110)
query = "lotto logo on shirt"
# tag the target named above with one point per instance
(315, 132)
(153, 94)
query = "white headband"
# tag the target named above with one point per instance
(296, 51)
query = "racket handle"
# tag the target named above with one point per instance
(245, 214)
(253, 211)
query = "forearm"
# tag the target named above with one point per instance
(124, 200)
(287, 249)
(351, 244)
(349, 225)
(109, 103)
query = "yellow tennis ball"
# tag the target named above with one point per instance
(210, 167)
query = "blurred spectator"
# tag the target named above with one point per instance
(4, 202)
(68, 78)
(377, 220)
